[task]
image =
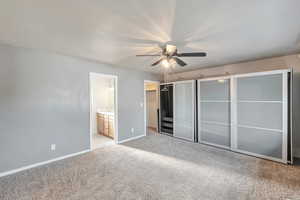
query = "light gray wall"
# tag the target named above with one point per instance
(44, 99)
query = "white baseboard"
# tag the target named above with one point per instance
(132, 138)
(42, 163)
(2, 174)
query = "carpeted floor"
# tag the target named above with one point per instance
(155, 167)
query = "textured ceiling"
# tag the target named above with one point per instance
(113, 31)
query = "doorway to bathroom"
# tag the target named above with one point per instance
(151, 98)
(103, 110)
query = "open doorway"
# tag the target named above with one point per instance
(103, 110)
(151, 98)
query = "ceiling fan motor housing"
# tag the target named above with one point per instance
(170, 54)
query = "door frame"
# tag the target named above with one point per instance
(116, 136)
(145, 103)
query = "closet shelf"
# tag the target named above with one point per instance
(168, 125)
(167, 119)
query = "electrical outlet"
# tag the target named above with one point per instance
(142, 104)
(132, 130)
(53, 147)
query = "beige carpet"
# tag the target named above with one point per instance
(155, 167)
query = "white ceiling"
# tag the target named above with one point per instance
(114, 31)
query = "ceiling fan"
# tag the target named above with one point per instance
(170, 56)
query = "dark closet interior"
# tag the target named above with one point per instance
(166, 108)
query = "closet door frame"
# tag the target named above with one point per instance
(284, 113)
(193, 105)
(199, 109)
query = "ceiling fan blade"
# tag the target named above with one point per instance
(149, 55)
(157, 62)
(179, 62)
(196, 54)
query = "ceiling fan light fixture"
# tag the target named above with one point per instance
(170, 49)
(172, 62)
(169, 57)
(165, 63)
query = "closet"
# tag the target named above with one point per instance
(166, 108)
(177, 109)
(246, 113)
